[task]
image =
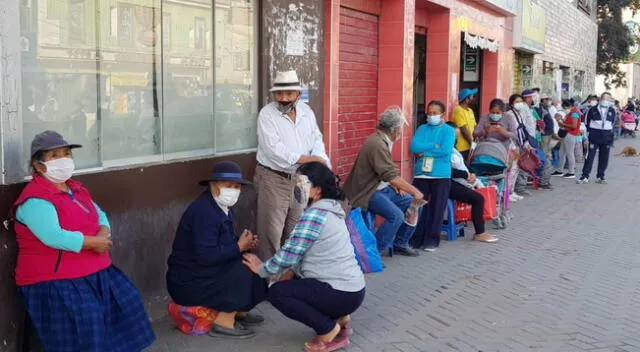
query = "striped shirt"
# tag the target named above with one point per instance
(304, 235)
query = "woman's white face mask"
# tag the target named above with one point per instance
(228, 197)
(59, 170)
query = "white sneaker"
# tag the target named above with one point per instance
(517, 196)
(513, 199)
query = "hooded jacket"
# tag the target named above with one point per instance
(320, 248)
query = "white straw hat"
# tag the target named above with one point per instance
(287, 80)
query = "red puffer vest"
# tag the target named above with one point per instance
(38, 262)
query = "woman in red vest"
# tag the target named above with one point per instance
(77, 300)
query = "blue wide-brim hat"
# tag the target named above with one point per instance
(225, 171)
(465, 93)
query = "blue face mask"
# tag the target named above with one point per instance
(495, 117)
(434, 120)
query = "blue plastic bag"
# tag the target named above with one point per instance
(364, 243)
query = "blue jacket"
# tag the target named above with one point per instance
(205, 245)
(436, 142)
(600, 127)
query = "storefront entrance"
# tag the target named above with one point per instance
(471, 73)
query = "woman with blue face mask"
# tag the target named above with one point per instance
(432, 145)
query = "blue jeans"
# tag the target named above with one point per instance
(391, 206)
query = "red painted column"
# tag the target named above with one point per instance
(331, 77)
(395, 79)
(438, 59)
(490, 79)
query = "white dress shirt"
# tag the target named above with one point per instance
(528, 120)
(281, 142)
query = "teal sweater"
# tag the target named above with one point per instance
(436, 142)
(41, 217)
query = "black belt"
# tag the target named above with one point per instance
(279, 173)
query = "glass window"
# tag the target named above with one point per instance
(140, 80)
(236, 98)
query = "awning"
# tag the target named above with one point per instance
(476, 41)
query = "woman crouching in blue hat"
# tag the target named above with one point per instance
(205, 265)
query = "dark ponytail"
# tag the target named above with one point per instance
(321, 176)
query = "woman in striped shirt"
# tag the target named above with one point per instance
(330, 284)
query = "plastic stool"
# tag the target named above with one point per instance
(370, 222)
(452, 229)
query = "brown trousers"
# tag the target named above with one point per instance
(277, 213)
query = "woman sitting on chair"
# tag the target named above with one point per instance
(462, 184)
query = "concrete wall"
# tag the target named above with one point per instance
(144, 204)
(571, 41)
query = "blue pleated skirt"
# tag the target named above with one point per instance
(102, 312)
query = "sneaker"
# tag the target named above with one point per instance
(601, 181)
(547, 187)
(557, 173)
(517, 196)
(485, 237)
(406, 251)
(513, 199)
(568, 175)
(429, 249)
(583, 181)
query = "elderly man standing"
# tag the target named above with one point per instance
(288, 136)
(375, 184)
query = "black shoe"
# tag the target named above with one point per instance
(568, 175)
(250, 319)
(238, 332)
(557, 173)
(549, 187)
(406, 251)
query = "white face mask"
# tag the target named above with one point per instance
(519, 106)
(59, 170)
(228, 197)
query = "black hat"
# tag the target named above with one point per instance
(225, 171)
(50, 140)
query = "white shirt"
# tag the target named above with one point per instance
(281, 142)
(553, 110)
(528, 120)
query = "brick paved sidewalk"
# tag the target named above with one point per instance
(565, 276)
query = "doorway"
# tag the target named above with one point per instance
(419, 77)
(471, 73)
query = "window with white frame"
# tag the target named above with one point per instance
(140, 81)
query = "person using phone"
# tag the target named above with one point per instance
(205, 265)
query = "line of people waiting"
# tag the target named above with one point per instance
(305, 264)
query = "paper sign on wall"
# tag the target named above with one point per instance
(295, 42)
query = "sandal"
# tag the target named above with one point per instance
(345, 332)
(321, 346)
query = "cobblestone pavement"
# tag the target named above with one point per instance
(565, 276)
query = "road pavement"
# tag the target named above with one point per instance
(565, 276)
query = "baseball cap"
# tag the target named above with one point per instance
(50, 140)
(465, 93)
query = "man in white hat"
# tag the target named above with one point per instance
(288, 136)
